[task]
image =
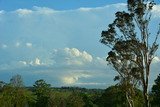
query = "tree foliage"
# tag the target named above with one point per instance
(131, 51)
(75, 100)
(156, 92)
(42, 91)
(114, 96)
(11, 96)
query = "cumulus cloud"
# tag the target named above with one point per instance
(71, 56)
(79, 65)
(37, 62)
(64, 67)
(75, 57)
(73, 77)
(21, 64)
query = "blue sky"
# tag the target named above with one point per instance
(58, 41)
(56, 4)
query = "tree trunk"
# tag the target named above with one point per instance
(145, 94)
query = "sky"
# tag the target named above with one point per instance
(58, 41)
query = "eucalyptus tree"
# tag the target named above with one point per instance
(132, 45)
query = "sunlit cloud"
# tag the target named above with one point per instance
(73, 77)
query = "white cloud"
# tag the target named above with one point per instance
(73, 77)
(69, 80)
(78, 65)
(37, 61)
(75, 54)
(23, 62)
(23, 12)
(29, 45)
(71, 74)
(44, 10)
(72, 57)
(84, 9)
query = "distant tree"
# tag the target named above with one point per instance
(75, 100)
(132, 50)
(58, 99)
(16, 97)
(42, 90)
(17, 81)
(156, 92)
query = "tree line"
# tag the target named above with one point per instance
(41, 94)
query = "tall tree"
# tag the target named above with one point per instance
(42, 90)
(17, 81)
(132, 49)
